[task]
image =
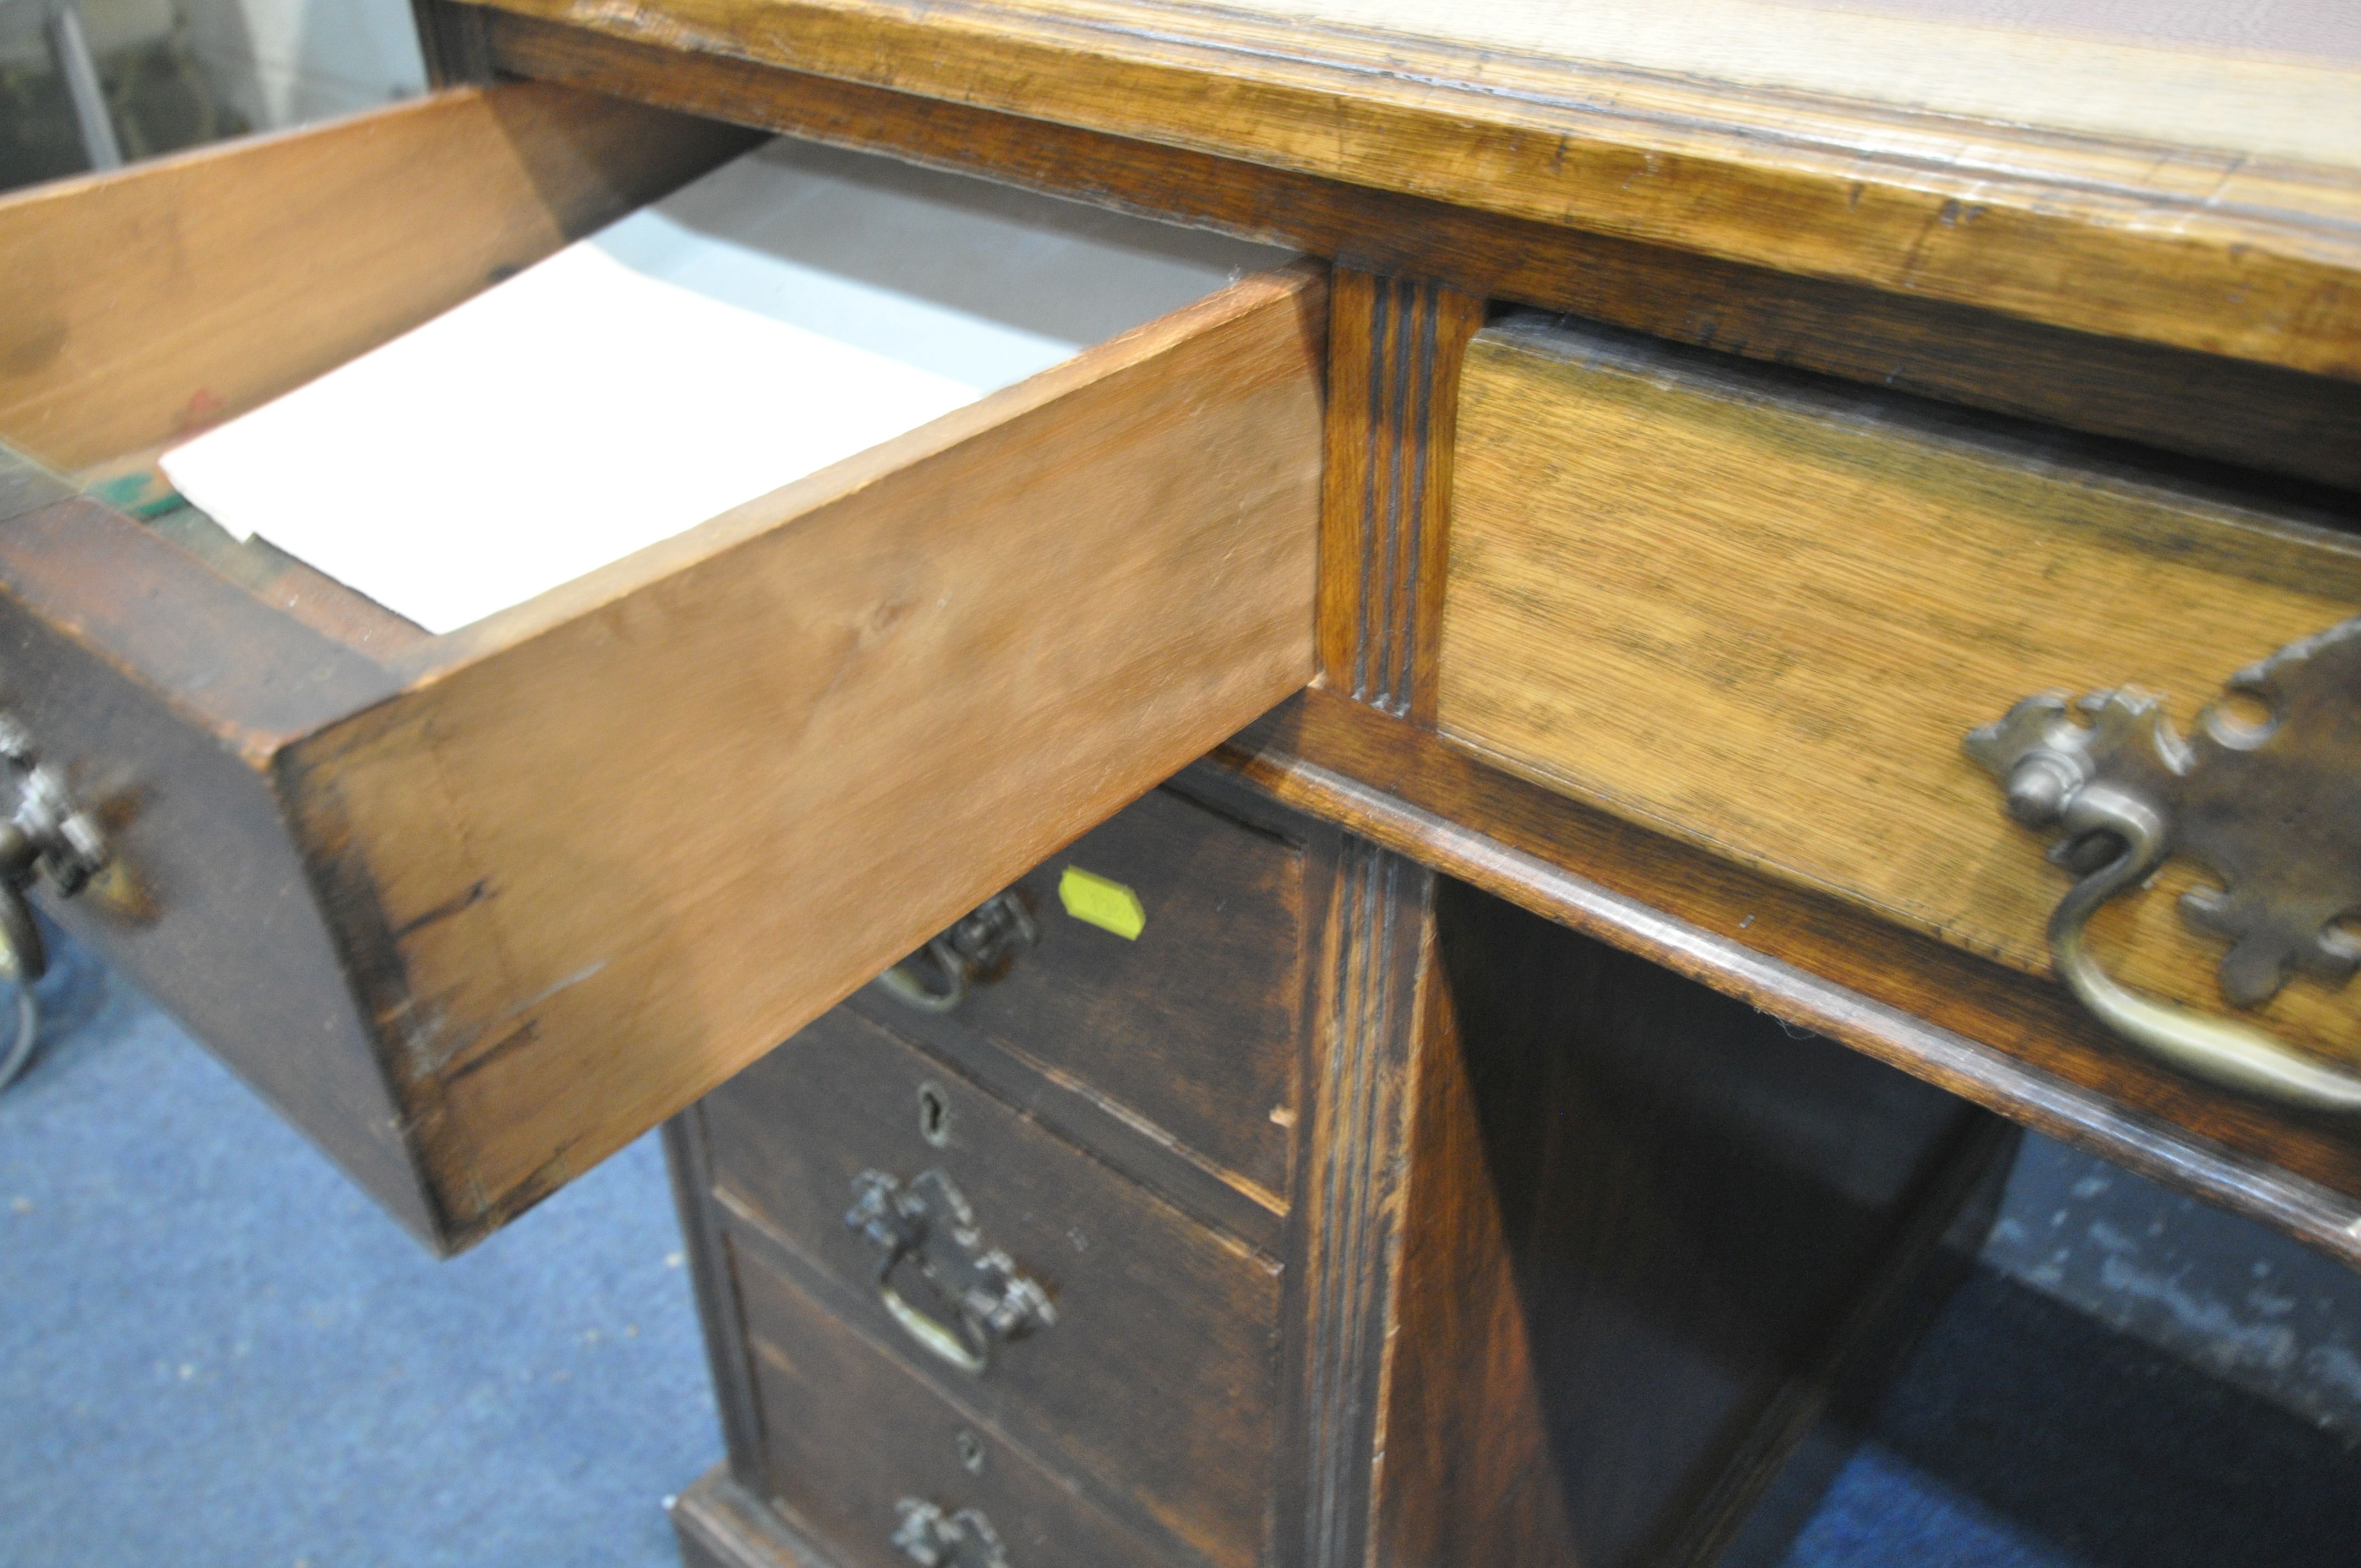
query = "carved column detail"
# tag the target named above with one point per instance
(1352, 1189)
(1394, 351)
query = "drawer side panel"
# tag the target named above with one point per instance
(146, 303)
(206, 905)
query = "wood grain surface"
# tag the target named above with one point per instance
(155, 687)
(1190, 1025)
(611, 845)
(1156, 1385)
(2237, 410)
(1637, 1215)
(1232, 987)
(1352, 1171)
(1394, 350)
(2009, 1040)
(850, 1433)
(1121, 551)
(2157, 70)
(2237, 250)
(148, 304)
(1762, 614)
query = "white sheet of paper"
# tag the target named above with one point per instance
(787, 310)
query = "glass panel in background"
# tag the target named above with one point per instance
(179, 73)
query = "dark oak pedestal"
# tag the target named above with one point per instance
(1563, 1251)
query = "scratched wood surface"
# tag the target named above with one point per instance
(153, 684)
(1761, 614)
(150, 302)
(2241, 243)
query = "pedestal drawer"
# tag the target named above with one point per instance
(1157, 1376)
(476, 909)
(858, 1452)
(1170, 981)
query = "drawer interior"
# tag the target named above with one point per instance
(541, 880)
(787, 310)
(791, 308)
(152, 302)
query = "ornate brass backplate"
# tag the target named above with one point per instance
(44, 832)
(2266, 796)
(930, 1224)
(933, 1539)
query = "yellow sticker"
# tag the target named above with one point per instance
(1109, 905)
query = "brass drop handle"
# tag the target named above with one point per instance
(930, 1225)
(906, 983)
(979, 946)
(2272, 808)
(44, 833)
(932, 1538)
(2218, 1048)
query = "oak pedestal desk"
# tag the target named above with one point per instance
(1459, 886)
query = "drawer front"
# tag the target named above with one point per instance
(1763, 615)
(851, 1439)
(1193, 1022)
(1157, 1376)
(555, 875)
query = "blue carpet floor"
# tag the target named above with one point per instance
(2021, 1434)
(214, 1350)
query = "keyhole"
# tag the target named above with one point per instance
(934, 1115)
(971, 1451)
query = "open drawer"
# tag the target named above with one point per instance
(476, 909)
